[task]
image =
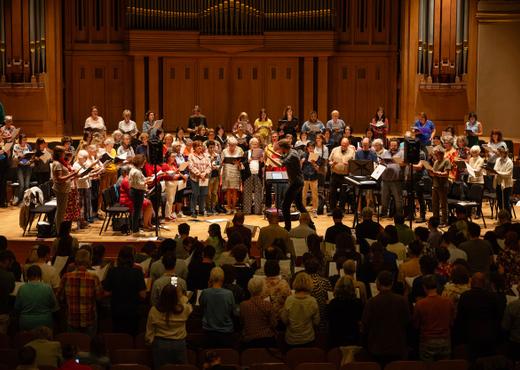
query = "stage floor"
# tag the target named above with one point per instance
(9, 227)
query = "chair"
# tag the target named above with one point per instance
(335, 356)
(139, 342)
(298, 356)
(22, 338)
(131, 356)
(5, 342)
(9, 358)
(46, 367)
(79, 340)
(316, 366)
(44, 209)
(473, 200)
(449, 365)
(273, 366)
(260, 355)
(490, 194)
(129, 367)
(406, 365)
(114, 341)
(112, 210)
(228, 356)
(361, 366)
(179, 367)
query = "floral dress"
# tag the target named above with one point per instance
(73, 211)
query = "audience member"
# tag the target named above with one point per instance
(218, 307)
(258, 318)
(80, 290)
(300, 313)
(368, 228)
(394, 245)
(508, 261)
(169, 278)
(70, 355)
(49, 274)
(479, 251)
(271, 232)
(458, 284)
(166, 327)
(200, 267)
(385, 322)
(411, 267)
(276, 288)
(127, 290)
(405, 234)
(48, 351)
(344, 314)
(35, 301)
(338, 228)
(26, 359)
(238, 227)
(7, 284)
(433, 317)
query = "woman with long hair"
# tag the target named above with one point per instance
(42, 161)
(215, 239)
(127, 292)
(379, 124)
(221, 136)
(263, 126)
(65, 244)
(62, 175)
(166, 327)
(288, 124)
(473, 129)
(495, 140)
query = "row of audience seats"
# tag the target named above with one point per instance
(128, 352)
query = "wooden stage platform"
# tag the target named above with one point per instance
(9, 227)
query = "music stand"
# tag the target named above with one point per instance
(360, 167)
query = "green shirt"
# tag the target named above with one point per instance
(35, 302)
(405, 234)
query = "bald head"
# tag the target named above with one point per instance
(478, 280)
(344, 143)
(365, 144)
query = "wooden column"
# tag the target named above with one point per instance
(53, 77)
(323, 87)
(308, 86)
(153, 84)
(139, 89)
(409, 80)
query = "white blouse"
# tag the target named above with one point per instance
(504, 177)
(476, 163)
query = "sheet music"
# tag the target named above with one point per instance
(373, 289)
(333, 270)
(313, 156)
(471, 170)
(409, 281)
(17, 285)
(101, 273)
(378, 171)
(183, 166)
(300, 246)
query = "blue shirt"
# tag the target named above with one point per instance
(426, 131)
(217, 306)
(370, 155)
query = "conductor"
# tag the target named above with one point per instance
(291, 161)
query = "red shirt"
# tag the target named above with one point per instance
(124, 194)
(433, 316)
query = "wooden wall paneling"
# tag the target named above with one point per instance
(281, 90)
(361, 95)
(308, 85)
(247, 90)
(381, 26)
(153, 84)
(322, 88)
(179, 95)
(78, 23)
(115, 97)
(214, 90)
(139, 90)
(342, 90)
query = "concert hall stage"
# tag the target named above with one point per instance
(9, 227)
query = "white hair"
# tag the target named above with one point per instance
(117, 132)
(377, 141)
(232, 141)
(255, 286)
(109, 141)
(82, 154)
(254, 140)
(8, 118)
(216, 275)
(475, 149)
